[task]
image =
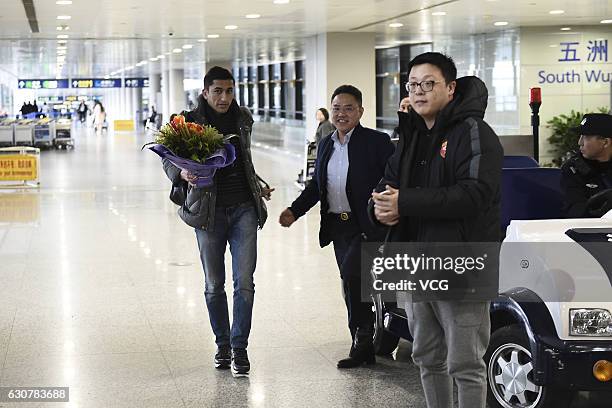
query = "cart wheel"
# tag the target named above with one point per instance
(510, 374)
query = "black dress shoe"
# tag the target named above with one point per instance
(223, 357)
(360, 355)
(240, 363)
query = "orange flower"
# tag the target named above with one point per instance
(178, 121)
(194, 127)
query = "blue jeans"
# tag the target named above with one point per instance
(238, 227)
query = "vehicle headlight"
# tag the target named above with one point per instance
(590, 322)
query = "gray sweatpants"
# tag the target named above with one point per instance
(450, 340)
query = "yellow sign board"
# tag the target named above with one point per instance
(18, 167)
(124, 125)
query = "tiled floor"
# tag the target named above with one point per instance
(102, 292)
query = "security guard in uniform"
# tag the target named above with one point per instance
(589, 171)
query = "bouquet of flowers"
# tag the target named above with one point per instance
(201, 150)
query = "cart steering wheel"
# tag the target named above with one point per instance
(600, 203)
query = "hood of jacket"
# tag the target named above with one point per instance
(470, 100)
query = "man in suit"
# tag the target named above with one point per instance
(350, 162)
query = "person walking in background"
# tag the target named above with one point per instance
(349, 164)
(99, 114)
(82, 111)
(325, 126)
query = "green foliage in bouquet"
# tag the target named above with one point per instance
(189, 140)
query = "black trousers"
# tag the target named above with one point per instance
(347, 238)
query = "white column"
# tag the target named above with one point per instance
(165, 94)
(177, 90)
(154, 87)
(326, 69)
(137, 105)
(122, 104)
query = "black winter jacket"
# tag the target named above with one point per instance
(197, 205)
(460, 199)
(579, 182)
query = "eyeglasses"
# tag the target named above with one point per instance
(344, 109)
(426, 86)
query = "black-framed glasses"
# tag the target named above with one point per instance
(426, 86)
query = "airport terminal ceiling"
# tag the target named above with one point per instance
(102, 38)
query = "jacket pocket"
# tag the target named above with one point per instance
(197, 199)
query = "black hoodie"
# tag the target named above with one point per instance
(456, 196)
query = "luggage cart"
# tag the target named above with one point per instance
(7, 132)
(44, 133)
(24, 132)
(63, 134)
(307, 171)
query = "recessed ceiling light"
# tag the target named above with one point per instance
(63, 2)
(566, 28)
(177, 50)
(500, 23)
(64, 17)
(62, 36)
(231, 27)
(606, 21)
(553, 45)
(396, 25)
(213, 35)
(556, 12)
(61, 42)
(187, 46)
(439, 13)
(253, 16)
(202, 40)
(281, 1)
(62, 28)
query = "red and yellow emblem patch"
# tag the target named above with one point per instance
(443, 149)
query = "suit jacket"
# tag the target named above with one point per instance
(368, 152)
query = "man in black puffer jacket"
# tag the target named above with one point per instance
(443, 185)
(227, 212)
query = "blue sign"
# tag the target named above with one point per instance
(137, 82)
(107, 83)
(81, 83)
(42, 83)
(598, 51)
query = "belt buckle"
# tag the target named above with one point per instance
(344, 216)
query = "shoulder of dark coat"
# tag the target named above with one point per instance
(246, 114)
(374, 133)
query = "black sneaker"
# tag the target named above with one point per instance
(223, 357)
(240, 363)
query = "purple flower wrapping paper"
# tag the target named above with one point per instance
(204, 171)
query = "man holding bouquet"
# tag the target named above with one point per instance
(228, 211)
